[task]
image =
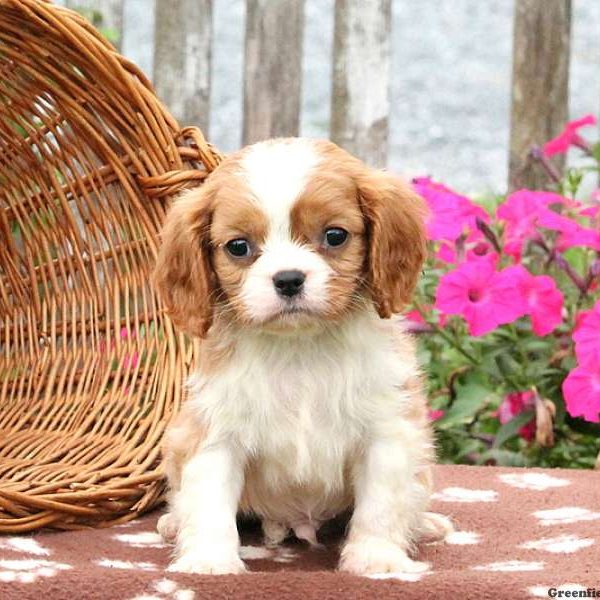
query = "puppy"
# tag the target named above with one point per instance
(289, 263)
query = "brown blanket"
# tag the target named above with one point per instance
(519, 533)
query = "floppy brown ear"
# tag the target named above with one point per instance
(183, 275)
(395, 217)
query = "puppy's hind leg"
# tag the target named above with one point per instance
(433, 528)
(274, 532)
(167, 527)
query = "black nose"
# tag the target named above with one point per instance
(288, 283)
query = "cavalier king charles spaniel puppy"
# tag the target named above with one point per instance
(290, 264)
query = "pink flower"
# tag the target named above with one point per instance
(571, 232)
(484, 297)
(568, 137)
(581, 389)
(475, 246)
(542, 297)
(590, 211)
(451, 215)
(415, 316)
(434, 415)
(131, 360)
(587, 337)
(514, 404)
(521, 211)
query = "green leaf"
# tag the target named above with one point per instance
(508, 365)
(470, 398)
(578, 259)
(504, 458)
(510, 429)
(536, 344)
(111, 34)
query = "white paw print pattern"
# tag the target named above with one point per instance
(458, 494)
(127, 565)
(166, 589)
(25, 545)
(401, 576)
(533, 481)
(563, 544)
(511, 566)
(29, 570)
(144, 539)
(463, 538)
(284, 555)
(541, 591)
(255, 552)
(565, 515)
(279, 554)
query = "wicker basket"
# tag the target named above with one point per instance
(90, 370)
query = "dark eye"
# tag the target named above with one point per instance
(335, 236)
(239, 248)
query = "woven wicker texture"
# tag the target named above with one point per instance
(90, 370)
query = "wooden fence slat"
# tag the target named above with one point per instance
(111, 12)
(273, 68)
(182, 59)
(540, 84)
(361, 72)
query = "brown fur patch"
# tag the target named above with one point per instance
(382, 258)
(394, 223)
(330, 200)
(182, 439)
(183, 274)
(236, 216)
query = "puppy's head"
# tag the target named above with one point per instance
(286, 233)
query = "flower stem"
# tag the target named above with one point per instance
(537, 154)
(554, 256)
(453, 342)
(489, 234)
(562, 263)
(580, 143)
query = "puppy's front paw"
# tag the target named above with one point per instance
(209, 563)
(378, 555)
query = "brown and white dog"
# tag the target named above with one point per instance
(289, 263)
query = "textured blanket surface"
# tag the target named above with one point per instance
(519, 534)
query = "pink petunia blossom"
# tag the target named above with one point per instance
(581, 389)
(568, 136)
(521, 211)
(131, 360)
(514, 404)
(543, 298)
(434, 415)
(590, 211)
(474, 246)
(415, 316)
(587, 337)
(571, 233)
(484, 297)
(451, 215)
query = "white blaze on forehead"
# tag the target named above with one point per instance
(276, 173)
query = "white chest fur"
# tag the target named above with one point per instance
(300, 406)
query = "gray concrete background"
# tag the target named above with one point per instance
(450, 89)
